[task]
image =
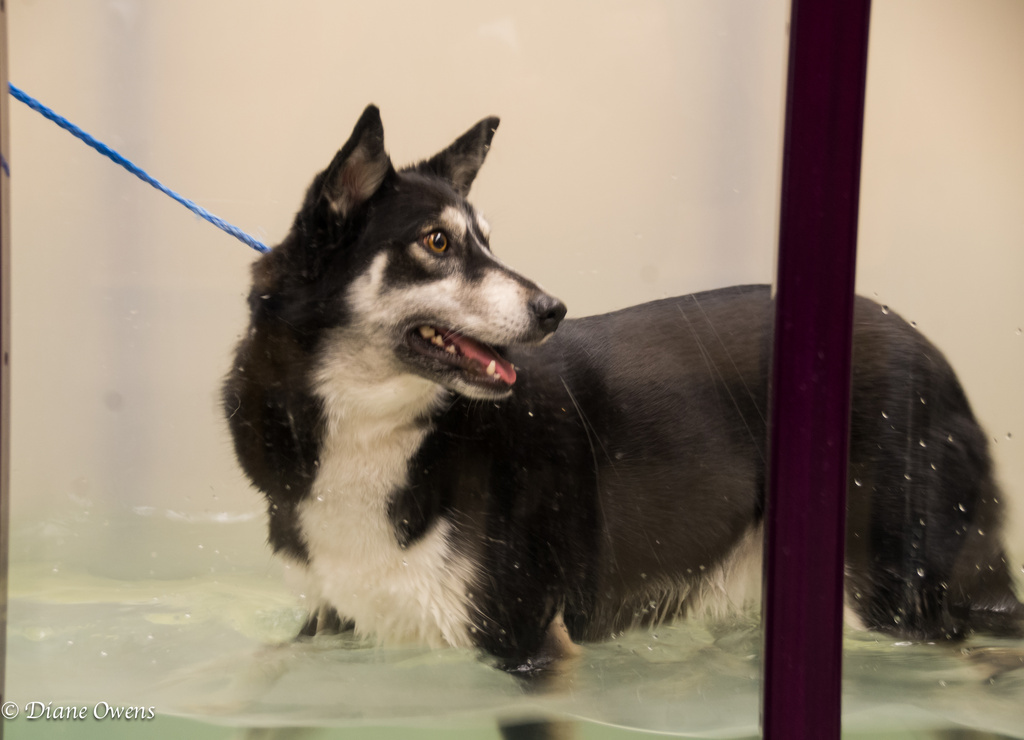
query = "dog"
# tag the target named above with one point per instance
(442, 466)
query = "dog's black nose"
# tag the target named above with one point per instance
(549, 311)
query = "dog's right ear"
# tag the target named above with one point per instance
(359, 167)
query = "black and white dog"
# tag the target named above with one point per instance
(442, 467)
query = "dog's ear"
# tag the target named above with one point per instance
(359, 167)
(459, 163)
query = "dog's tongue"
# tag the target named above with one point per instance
(484, 355)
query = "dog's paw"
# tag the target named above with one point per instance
(325, 621)
(555, 656)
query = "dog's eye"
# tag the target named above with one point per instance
(436, 242)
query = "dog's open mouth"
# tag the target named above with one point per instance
(480, 363)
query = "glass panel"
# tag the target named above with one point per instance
(637, 158)
(940, 245)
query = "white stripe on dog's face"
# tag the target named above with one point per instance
(485, 228)
(454, 222)
(493, 309)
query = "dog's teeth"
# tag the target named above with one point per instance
(436, 339)
(492, 368)
(427, 332)
(450, 349)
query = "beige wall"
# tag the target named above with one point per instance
(942, 204)
(637, 158)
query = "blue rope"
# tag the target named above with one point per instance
(135, 169)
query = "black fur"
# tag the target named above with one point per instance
(631, 453)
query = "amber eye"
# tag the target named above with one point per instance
(436, 241)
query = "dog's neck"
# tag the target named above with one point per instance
(366, 394)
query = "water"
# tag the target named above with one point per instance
(217, 650)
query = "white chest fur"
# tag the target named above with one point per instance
(414, 594)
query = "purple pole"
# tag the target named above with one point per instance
(809, 429)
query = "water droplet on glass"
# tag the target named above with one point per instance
(922, 443)
(981, 532)
(920, 572)
(961, 507)
(856, 482)
(885, 415)
(885, 309)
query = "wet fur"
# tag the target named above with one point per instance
(621, 480)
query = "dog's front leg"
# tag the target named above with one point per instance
(525, 633)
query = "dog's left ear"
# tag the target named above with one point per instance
(459, 163)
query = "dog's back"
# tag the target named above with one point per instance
(629, 466)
